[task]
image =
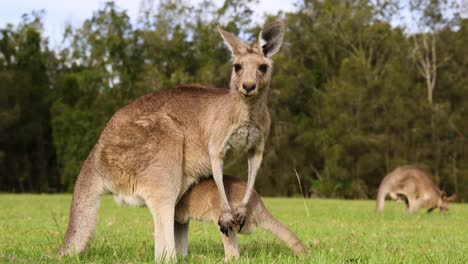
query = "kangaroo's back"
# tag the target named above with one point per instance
(410, 175)
(136, 132)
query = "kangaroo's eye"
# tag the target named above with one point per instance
(263, 68)
(237, 67)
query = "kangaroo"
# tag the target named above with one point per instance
(415, 187)
(202, 201)
(153, 149)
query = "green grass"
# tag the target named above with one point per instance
(335, 231)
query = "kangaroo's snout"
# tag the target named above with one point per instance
(248, 88)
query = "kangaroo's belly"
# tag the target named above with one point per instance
(129, 200)
(196, 162)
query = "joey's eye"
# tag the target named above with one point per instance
(237, 67)
(263, 68)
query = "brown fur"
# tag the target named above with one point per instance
(415, 186)
(156, 147)
(202, 202)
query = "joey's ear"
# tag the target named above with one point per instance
(270, 38)
(236, 45)
(452, 198)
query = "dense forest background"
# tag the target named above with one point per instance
(352, 97)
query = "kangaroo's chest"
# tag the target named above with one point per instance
(244, 136)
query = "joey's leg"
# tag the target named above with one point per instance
(226, 220)
(255, 160)
(231, 248)
(181, 238)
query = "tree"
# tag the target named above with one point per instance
(28, 156)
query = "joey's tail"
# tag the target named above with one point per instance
(268, 222)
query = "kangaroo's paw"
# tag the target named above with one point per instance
(226, 222)
(240, 215)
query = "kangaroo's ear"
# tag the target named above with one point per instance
(443, 194)
(452, 198)
(236, 45)
(270, 38)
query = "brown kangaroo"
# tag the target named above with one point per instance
(202, 202)
(157, 146)
(415, 187)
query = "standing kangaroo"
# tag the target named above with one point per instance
(156, 147)
(414, 186)
(201, 202)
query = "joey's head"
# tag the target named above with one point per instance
(443, 202)
(252, 65)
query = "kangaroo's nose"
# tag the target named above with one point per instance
(248, 87)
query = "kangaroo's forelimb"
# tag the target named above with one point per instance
(226, 220)
(255, 160)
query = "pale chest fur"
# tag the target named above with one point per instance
(242, 137)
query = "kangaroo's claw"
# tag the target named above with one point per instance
(226, 222)
(240, 215)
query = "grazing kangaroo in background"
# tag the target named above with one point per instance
(202, 202)
(155, 148)
(414, 186)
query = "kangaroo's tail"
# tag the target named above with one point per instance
(381, 194)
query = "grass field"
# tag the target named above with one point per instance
(334, 231)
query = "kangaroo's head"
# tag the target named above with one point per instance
(252, 65)
(444, 200)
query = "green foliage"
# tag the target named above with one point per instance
(27, 155)
(347, 101)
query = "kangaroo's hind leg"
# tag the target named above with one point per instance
(413, 205)
(160, 186)
(403, 198)
(162, 210)
(83, 212)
